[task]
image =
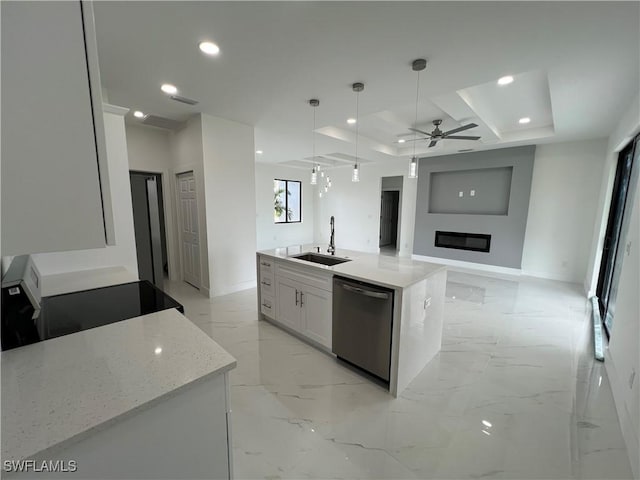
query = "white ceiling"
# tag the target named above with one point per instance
(576, 66)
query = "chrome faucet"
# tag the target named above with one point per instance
(332, 241)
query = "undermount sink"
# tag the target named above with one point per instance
(322, 259)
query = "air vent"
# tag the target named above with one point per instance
(161, 122)
(186, 100)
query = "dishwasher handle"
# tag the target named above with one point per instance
(366, 293)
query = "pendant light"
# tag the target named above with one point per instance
(357, 87)
(418, 65)
(314, 102)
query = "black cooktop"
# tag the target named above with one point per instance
(76, 311)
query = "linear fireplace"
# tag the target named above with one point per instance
(477, 242)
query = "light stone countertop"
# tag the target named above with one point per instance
(59, 390)
(385, 270)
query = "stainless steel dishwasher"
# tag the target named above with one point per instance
(362, 321)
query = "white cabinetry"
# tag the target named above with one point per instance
(316, 314)
(185, 435)
(52, 130)
(288, 309)
(303, 298)
(267, 287)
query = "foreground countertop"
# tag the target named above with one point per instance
(58, 390)
(394, 272)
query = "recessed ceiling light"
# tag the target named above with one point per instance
(524, 120)
(506, 80)
(209, 48)
(402, 140)
(351, 121)
(168, 88)
(138, 114)
(259, 152)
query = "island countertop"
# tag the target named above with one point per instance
(389, 271)
(56, 391)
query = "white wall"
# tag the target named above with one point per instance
(272, 235)
(149, 150)
(623, 356)
(123, 253)
(356, 207)
(626, 129)
(187, 155)
(562, 209)
(229, 175)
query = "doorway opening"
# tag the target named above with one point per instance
(390, 204)
(189, 230)
(622, 198)
(149, 226)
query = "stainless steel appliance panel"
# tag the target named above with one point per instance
(362, 322)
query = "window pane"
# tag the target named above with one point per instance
(294, 201)
(279, 201)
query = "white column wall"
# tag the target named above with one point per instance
(230, 195)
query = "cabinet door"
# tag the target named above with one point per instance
(50, 186)
(288, 303)
(316, 315)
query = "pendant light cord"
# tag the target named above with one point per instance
(314, 137)
(415, 122)
(357, 122)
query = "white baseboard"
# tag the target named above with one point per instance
(233, 288)
(560, 277)
(459, 264)
(468, 265)
(624, 418)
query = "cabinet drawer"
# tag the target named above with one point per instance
(307, 275)
(266, 265)
(267, 286)
(267, 306)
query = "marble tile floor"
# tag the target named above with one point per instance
(514, 393)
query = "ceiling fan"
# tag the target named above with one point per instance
(436, 134)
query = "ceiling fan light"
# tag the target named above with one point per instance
(413, 168)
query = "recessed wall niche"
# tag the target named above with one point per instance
(481, 191)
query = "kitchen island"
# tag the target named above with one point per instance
(297, 295)
(141, 398)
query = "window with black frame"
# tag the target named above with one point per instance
(287, 201)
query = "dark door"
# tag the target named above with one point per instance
(622, 198)
(389, 218)
(148, 215)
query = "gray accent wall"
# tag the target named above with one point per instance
(492, 174)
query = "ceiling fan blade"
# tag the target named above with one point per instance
(433, 143)
(461, 129)
(420, 131)
(462, 137)
(415, 139)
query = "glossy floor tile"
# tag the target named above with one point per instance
(513, 394)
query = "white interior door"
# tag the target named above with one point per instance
(189, 233)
